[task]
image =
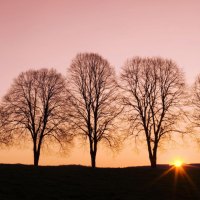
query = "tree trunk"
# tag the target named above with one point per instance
(153, 161)
(93, 151)
(93, 159)
(36, 154)
(152, 153)
(36, 159)
(154, 156)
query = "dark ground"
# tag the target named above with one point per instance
(77, 182)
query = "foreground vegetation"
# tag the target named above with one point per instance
(78, 182)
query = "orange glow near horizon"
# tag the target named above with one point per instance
(178, 163)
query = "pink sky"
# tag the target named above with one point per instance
(49, 33)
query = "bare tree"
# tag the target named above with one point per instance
(34, 107)
(194, 112)
(5, 137)
(94, 101)
(153, 90)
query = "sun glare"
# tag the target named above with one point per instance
(178, 163)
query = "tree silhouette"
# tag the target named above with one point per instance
(194, 112)
(34, 107)
(5, 137)
(153, 90)
(94, 101)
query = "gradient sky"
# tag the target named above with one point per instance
(49, 33)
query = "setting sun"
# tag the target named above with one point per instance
(178, 163)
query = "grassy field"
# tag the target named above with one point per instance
(78, 182)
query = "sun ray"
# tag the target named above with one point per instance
(180, 170)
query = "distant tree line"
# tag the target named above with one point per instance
(91, 102)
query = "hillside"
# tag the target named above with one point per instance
(78, 182)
